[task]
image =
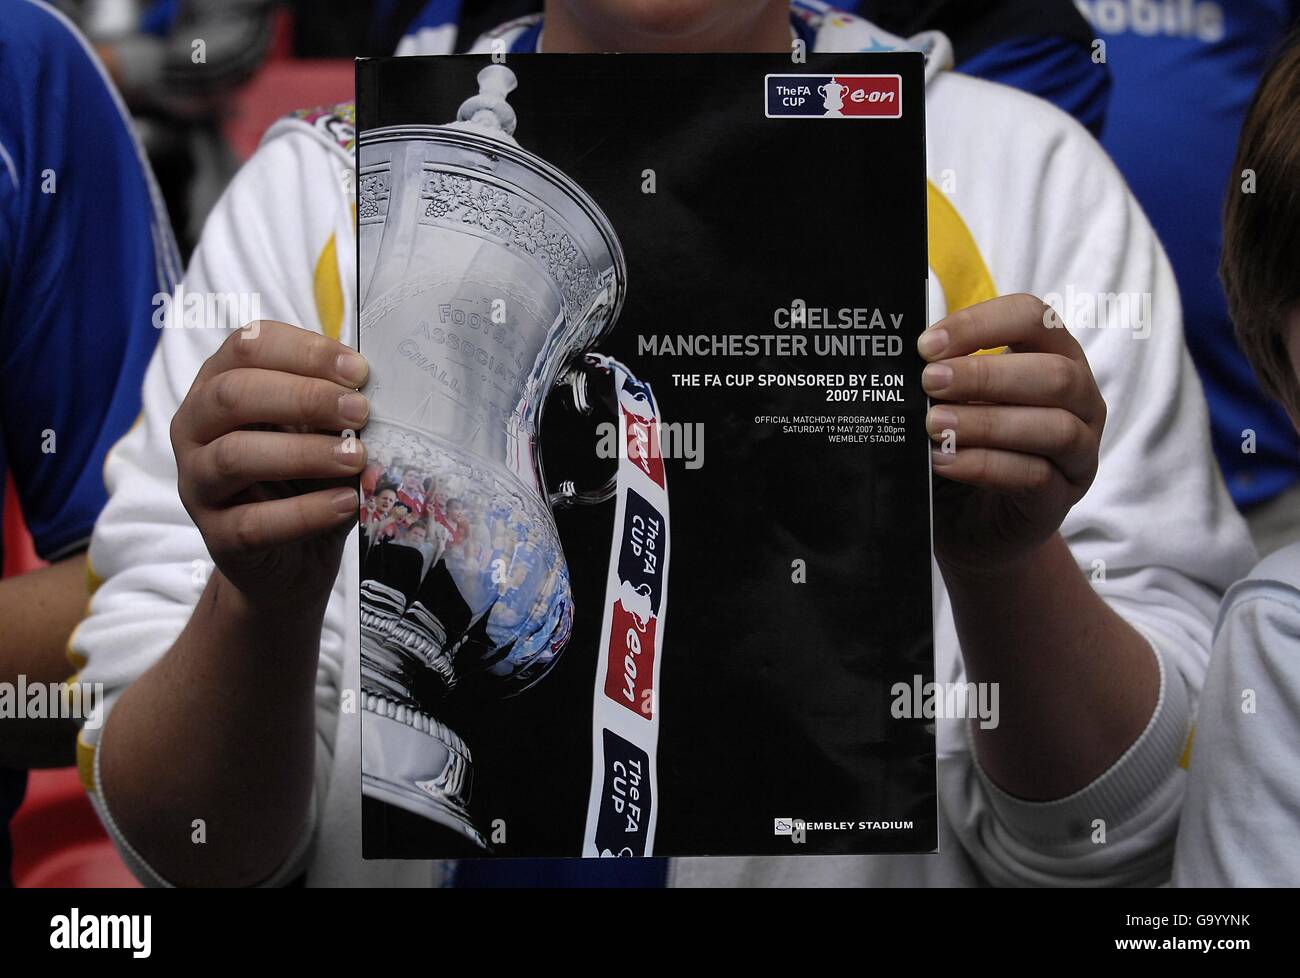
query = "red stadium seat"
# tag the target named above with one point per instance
(279, 88)
(57, 838)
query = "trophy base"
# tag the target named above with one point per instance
(413, 762)
(389, 832)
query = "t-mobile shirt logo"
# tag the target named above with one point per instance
(1201, 20)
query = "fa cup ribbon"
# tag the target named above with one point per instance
(621, 810)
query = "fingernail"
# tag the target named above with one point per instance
(354, 408)
(936, 377)
(345, 502)
(939, 459)
(352, 367)
(942, 418)
(932, 342)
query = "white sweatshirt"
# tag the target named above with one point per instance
(1029, 203)
(1243, 795)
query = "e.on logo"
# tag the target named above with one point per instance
(630, 679)
(834, 96)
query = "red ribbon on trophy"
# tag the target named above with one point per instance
(621, 810)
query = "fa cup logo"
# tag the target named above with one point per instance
(832, 94)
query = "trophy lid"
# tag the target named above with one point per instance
(488, 113)
(472, 174)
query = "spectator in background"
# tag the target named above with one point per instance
(411, 491)
(1243, 796)
(177, 62)
(380, 520)
(402, 517)
(1182, 78)
(84, 252)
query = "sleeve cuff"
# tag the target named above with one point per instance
(289, 870)
(1117, 794)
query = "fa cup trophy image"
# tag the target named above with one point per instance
(485, 273)
(832, 94)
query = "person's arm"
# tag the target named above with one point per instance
(1077, 684)
(274, 511)
(249, 739)
(1064, 721)
(40, 609)
(219, 628)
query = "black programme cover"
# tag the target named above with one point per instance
(771, 221)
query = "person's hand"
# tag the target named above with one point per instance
(262, 469)
(1015, 435)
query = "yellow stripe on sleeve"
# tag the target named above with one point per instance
(1185, 761)
(329, 290)
(955, 257)
(86, 765)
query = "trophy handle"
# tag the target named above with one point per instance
(567, 493)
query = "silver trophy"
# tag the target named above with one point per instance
(484, 275)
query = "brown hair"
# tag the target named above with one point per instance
(1260, 266)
